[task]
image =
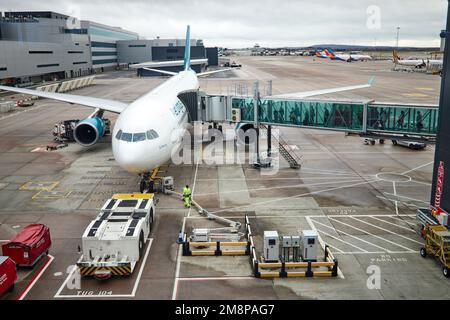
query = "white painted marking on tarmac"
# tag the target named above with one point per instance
(410, 223)
(217, 278)
(138, 279)
(419, 167)
(293, 197)
(386, 230)
(421, 182)
(352, 236)
(81, 296)
(283, 179)
(361, 215)
(329, 171)
(48, 263)
(333, 247)
(346, 242)
(405, 197)
(373, 235)
(179, 252)
(394, 224)
(301, 185)
(177, 268)
(394, 200)
(395, 193)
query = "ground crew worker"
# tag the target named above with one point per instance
(187, 196)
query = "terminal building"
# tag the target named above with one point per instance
(40, 46)
(36, 46)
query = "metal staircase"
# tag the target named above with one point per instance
(285, 150)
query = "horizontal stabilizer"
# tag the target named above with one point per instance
(173, 63)
(207, 73)
(160, 71)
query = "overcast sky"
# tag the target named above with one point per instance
(270, 23)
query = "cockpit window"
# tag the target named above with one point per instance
(151, 134)
(127, 137)
(138, 137)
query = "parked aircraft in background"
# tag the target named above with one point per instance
(321, 54)
(417, 63)
(347, 57)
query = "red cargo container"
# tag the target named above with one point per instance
(8, 274)
(28, 245)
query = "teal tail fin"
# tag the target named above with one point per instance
(187, 49)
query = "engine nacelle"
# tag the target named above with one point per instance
(88, 131)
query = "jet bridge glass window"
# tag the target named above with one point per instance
(138, 137)
(151, 134)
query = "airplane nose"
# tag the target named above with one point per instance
(129, 157)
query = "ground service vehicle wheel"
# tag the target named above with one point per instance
(446, 272)
(372, 142)
(381, 141)
(423, 252)
(141, 244)
(394, 142)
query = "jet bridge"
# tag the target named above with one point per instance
(415, 122)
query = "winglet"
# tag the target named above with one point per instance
(371, 80)
(187, 49)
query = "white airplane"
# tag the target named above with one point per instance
(347, 57)
(416, 63)
(150, 129)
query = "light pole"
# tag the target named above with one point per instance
(398, 32)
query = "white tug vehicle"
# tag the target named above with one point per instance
(113, 243)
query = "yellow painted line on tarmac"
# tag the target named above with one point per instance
(416, 95)
(424, 88)
(52, 194)
(39, 185)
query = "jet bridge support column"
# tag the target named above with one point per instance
(269, 127)
(257, 163)
(256, 117)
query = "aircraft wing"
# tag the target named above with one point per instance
(104, 104)
(306, 94)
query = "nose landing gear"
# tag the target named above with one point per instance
(147, 184)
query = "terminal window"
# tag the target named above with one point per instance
(48, 65)
(40, 52)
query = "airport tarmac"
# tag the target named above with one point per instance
(360, 198)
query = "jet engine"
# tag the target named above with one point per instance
(88, 131)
